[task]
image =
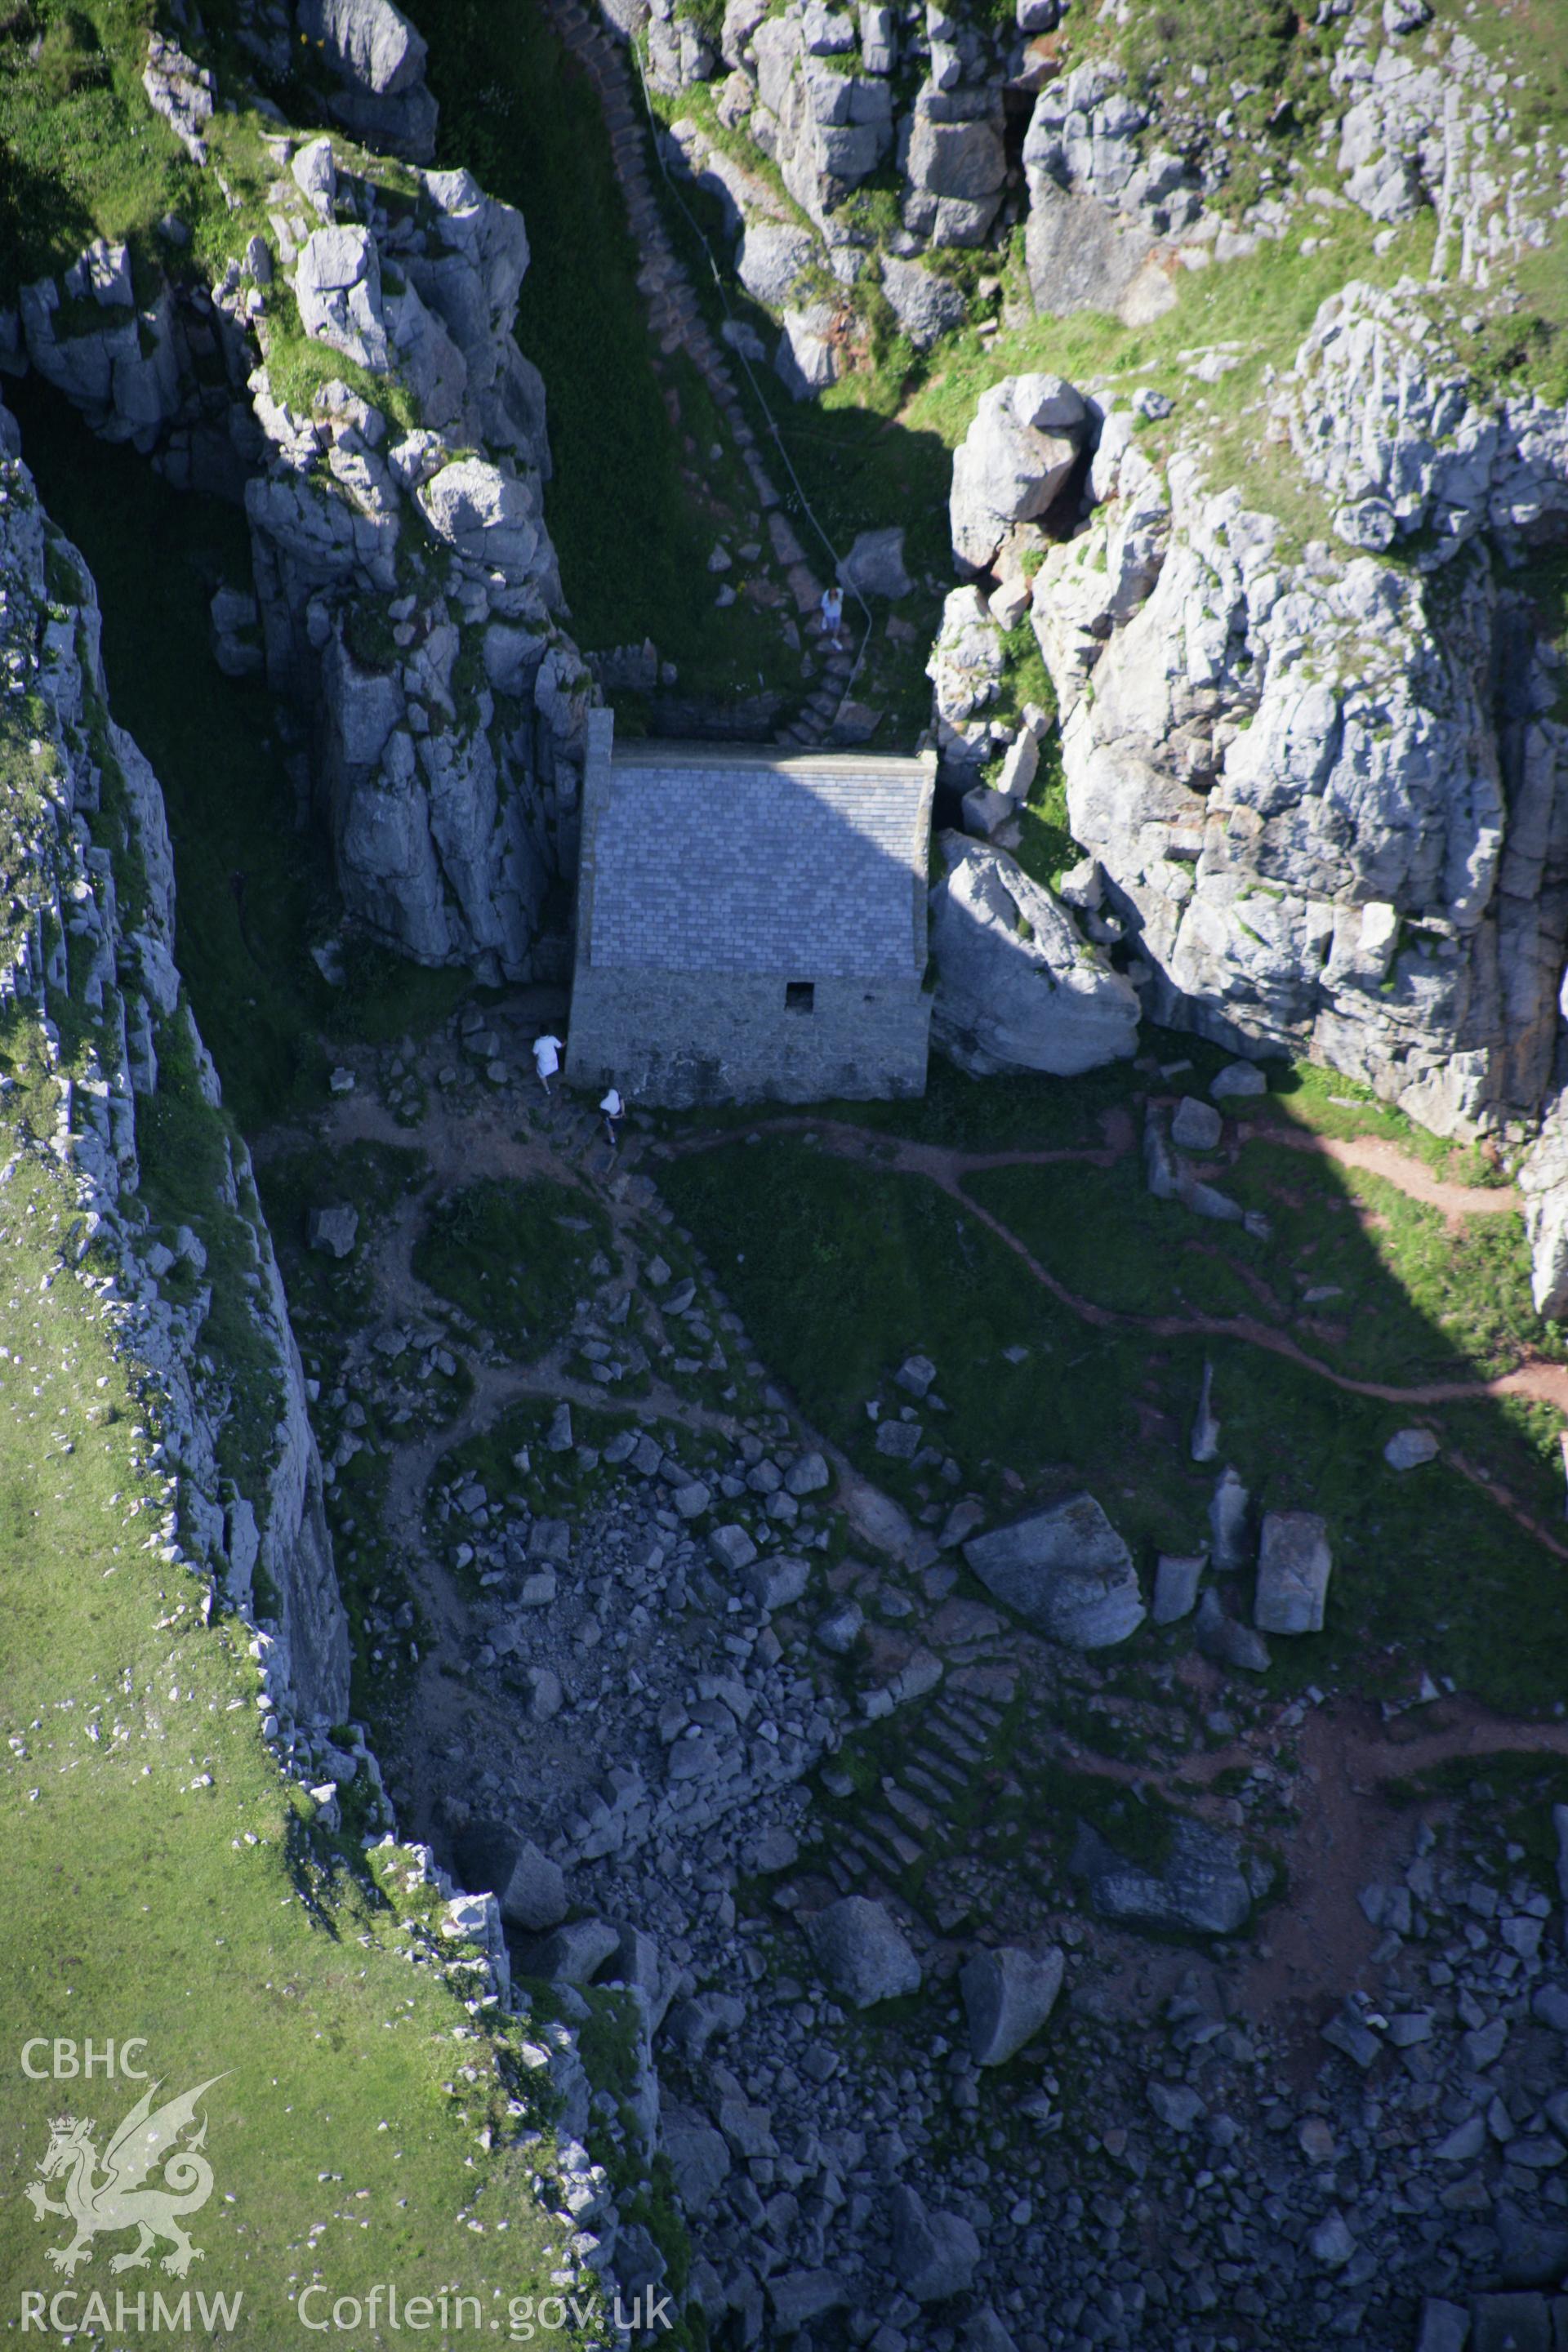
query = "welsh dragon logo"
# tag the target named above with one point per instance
(103, 2196)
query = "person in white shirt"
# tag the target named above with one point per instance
(547, 1051)
(615, 1111)
(832, 614)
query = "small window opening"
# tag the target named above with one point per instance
(800, 996)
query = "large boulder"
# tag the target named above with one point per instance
(483, 513)
(934, 2253)
(772, 256)
(698, 2157)
(806, 359)
(1066, 1571)
(1293, 1568)
(875, 564)
(378, 59)
(957, 171)
(1200, 1887)
(573, 1954)
(1019, 452)
(862, 1952)
(1008, 1997)
(535, 1894)
(337, 285)
(1018, 988)
(1080, 255)
(924, 304)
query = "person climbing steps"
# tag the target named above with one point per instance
(547, 1051)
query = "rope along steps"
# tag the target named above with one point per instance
(676, 322)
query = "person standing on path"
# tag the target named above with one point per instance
(547, 1052)
(833, 614)
(615, 1111)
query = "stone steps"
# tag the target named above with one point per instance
(939, 1769)
(677, 323)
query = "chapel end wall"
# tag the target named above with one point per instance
(677, 1038)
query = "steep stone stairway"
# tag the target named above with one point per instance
(676, 323)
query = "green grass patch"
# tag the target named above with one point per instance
(151, 1899)
(840, 1270)
(513, 1256)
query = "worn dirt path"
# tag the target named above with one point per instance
(1407, 1174)
(1345, 1828)
(1541, 1381)
(944, 1162)
(461, 1146)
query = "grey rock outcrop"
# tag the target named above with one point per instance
(122, 370)
(450, 734)
(1543, 1181)
(1066, 1571)
(1018, 988)
(1019, 450)
(826, 130)
(246, 1509)
(378, 59)
(337, 284)
(181, 91)
(965, 668)
(956, 167)
(1102, 215)
(1304, 809)
(1387, 420)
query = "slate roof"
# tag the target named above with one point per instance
(806, 868)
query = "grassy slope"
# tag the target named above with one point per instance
(840, 1271)
(511, 1257)
(141, 1903)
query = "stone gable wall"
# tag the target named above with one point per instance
(680, 1039)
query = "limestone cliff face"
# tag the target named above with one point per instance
(1323, 789)
(406, 596)
(408, 587)
(86, 966)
